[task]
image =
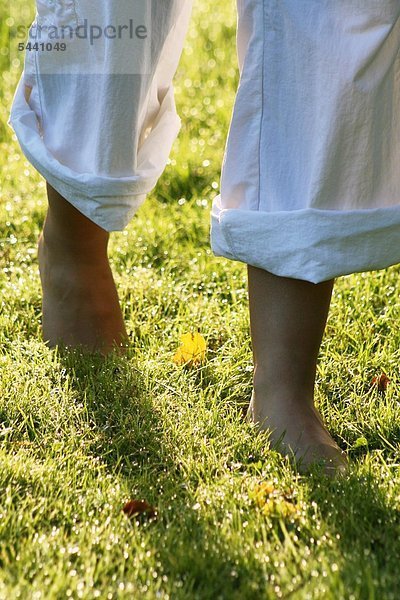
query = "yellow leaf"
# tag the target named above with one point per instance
(271, 501)
(192, 351)
(268, 508)
(261, 492)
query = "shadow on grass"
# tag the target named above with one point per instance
(130, 439)
(126, 431)
(365, 523)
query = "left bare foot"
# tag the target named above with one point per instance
(80, 304)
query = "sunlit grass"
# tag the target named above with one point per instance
(79, 436)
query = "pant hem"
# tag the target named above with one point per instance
(310, 244)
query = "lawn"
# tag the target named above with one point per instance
(81, 435)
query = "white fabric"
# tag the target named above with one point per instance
(101, 137)
(310, 184)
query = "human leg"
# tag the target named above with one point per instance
(100, 133)
(80, 302)
(288, 318)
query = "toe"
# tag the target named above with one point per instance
(329, 459)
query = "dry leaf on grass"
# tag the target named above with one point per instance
(136, 508)
(381, 381)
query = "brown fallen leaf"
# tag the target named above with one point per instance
(381, 381)
(135, 508)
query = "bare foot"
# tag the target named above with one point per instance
(80, 305)
(300, 434)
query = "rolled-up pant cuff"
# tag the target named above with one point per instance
(310, 244)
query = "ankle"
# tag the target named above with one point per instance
(283, 380)
(65, 245)
(59, 252)
(60, 271)
(271, 394)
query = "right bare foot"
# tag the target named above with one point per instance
(80, 305)
(299, 433)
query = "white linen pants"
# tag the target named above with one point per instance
(310, 184)
(101, 134)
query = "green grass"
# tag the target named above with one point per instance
(81, 435)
